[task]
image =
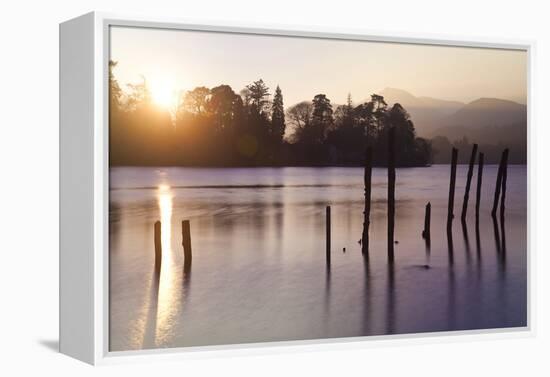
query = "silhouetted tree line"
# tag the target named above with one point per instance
(218, 127)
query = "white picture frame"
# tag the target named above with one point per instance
(84, 322)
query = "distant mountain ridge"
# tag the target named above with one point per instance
(394, 95)
(432, 116)
(492, 123)
(488, 112)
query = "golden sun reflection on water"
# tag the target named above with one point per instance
(167, 294)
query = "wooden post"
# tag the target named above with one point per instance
(479, 181)
(450, 208)
(328, 233)
(186, 240)
(366, 212)
(391, 191)
(158, 245)
(497, 187)
(468, 182)
(427, 217)
(504, 178)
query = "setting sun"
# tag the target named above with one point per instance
(163, 93)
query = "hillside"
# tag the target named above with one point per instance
(485, 112)
(490, 122)
(427, 113)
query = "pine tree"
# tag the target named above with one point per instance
(259, 93)
(278, 117)
(321, 117)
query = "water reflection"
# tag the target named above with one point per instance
(497, 235)
(450, 247)
(466, 240)
(326, 316)
(478, 241)
(150, 324)
(451, 299)
(503, 239)
(167, 294)
(451, 289)
(259, 263)
(390, 300)
(367, 295)
(428, 249)
(500, 240)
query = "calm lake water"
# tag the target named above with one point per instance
(259, 272)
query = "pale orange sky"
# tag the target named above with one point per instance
(304, 67)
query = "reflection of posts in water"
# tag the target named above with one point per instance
(151, 322)
(326, 317)
(466, 240)
(451, 300)
(468, 182)
(366, 212)
(367, 312)
(498, 186)
(186, 277)
(452, 182)
(450, 246)
(503, 187)
(428, 245)
(158, 246)
(503, 240)
(391, 191)
(186, 241)
(497, 234)
(478, 193)
(500, 238)
(478, 241)
(390, 301)
(328, 234)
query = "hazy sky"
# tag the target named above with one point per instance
(304, 67)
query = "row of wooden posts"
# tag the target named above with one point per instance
(500, 193)
(186, 243)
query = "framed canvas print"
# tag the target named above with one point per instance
(225, 188)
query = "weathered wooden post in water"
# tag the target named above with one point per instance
(391, 191)
(479, 180)
(366, 212)
(158, 246)
(328, 233)
(498, 184)
(426, 233)
(452, 182)
(186, 240)
(504, 178)
(468, 183)
(427, 219)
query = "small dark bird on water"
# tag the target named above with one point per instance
(344, 249)
(395, 241)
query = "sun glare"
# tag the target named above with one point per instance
(163, 93)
